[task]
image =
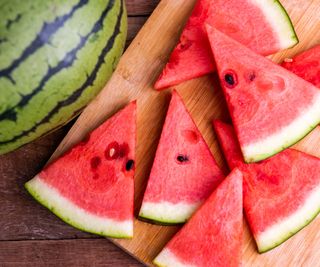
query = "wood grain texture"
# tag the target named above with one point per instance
(134, 26)
(63, 253)
(133, 79)
(139, 7)
(20, 217)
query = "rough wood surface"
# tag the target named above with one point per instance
(140, 8)
(134, 25)
(133, 79)
(63, 253)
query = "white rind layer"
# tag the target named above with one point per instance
(278, 233)
(286, 137)
(74, 215)
(279, 21)
(166, 212)
(167, 259)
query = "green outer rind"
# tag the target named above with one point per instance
(156, 221)
(66, 113)
(41, 199)
(289, 144)
(290, 234)
(294, 37)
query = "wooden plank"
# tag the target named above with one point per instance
(133, 79)
(134, 26)
(56, 253)
(140, 7)
(20, 216)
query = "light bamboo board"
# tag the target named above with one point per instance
(133, 79)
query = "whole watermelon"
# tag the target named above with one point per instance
(55, 56)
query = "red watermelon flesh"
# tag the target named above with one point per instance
(213, 236)
(184, 172)
(281, 194)
(263, 26)
(229, 144)
(271, 108)
(306, 65)
(91, 186)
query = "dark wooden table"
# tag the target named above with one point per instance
(29, 234)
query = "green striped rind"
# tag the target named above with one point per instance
(148, 220)
(69, 66)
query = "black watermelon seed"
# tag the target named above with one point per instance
(229, 79)
(182, 158)
(129, 165)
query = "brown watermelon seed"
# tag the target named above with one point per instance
(95, 162)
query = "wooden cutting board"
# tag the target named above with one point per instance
(133, 79)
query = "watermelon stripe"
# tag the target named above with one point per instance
(44, 36)
(68, 60)
(12, 21)
(89, 81)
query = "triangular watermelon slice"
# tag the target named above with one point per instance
(281, 194)
(263, 26)
(184, 172)
(306, 65)
(213, 236)
(271, 108)
(91, 187)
